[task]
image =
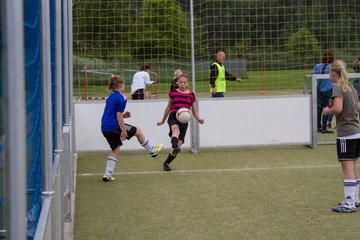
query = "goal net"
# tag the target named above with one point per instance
(271, 44)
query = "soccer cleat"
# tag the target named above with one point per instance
(166, 167)
(357, 204)
(157, 150)
(344, 207)
(108, 179)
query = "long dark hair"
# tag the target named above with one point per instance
(328, 56)
(356, 64)
(115, 81)
(144, 67)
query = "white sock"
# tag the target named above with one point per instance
(350, 190)
(110, 166)
(357, 191)
(147, 145)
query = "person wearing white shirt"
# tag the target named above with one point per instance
(139, 82)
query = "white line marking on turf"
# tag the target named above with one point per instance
(212, 170)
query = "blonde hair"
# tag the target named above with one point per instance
(115, 81)
(339, 67)
(177, 73)
(184, 76)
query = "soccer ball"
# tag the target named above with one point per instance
(183, 115)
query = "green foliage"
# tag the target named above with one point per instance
(302, 45)
(161, 27)
(267, 35)
(242, 48)
(100, 26)
(161, 30)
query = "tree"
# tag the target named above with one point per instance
(100, 25)
(161, 30)
(302, 46)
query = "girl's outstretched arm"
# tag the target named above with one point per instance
(195, 113)
(166, 113)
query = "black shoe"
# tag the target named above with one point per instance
(326, 131)
(166, 167)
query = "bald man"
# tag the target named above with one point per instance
(218, 75)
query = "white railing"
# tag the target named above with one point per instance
(56, 205)
(314, 78)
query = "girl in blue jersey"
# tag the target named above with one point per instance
(115, 130)
(178, 98)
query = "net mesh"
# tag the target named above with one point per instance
(33, 114)
(272, 44)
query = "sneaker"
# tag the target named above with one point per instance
(108, 179)
(157, 149)
(343, 207)
(166, 167)
(326, 131)
(357, 204)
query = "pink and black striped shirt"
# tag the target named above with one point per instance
(180, 100)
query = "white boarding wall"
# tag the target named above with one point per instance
(229, 122)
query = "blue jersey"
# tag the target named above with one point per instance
(323, 84)
(115, 103)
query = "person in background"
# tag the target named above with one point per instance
(139, 82)
(346, 105)
(115, 130)
(324, 91)
(356, 64)
(174, 82)
(178, 98)
(356, 67)
(218, 75)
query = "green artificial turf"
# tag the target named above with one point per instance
(235, 193)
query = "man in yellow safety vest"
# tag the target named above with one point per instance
(218, 75)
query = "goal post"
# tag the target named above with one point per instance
(317, 138)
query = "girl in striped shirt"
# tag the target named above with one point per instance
(178, 98)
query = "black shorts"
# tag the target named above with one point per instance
(113, 137)
(182, 126)
(138, 94)
(348, 149)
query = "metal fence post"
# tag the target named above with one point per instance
(314, 111)
(67, 172)
(14, 117)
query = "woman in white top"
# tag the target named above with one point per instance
(139, 82)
